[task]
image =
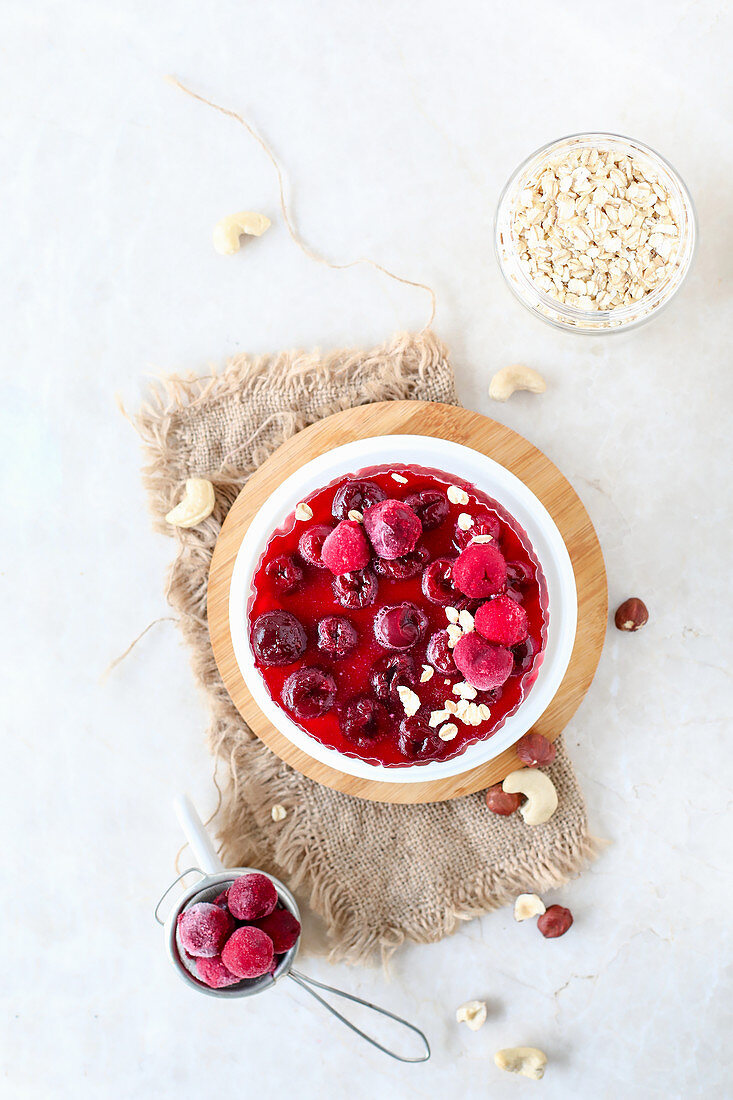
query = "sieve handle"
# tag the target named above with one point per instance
(197, 836)
(306, 983)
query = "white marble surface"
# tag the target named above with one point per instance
(398, 124)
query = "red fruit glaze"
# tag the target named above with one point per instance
(346, 548)
(203, 929)
(213, 973)
(479, 570)
(367, 719)
(502, 620)
(248, 952)
(282, 928)
(484, 665)
(393, 528)
(252, 896)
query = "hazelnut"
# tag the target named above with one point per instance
(535, 751)
(554, 922)
(631, 614)
(499, 802)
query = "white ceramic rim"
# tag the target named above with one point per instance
(494, 480)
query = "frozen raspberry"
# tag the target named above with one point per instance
(356, 496)
(401, 626)
(213, 973)
(407, 565)
(417, 741)
(337, 636)
(252, 896)
(355, 590)
(484, 665)
(310, 544)
(203, 929)
(282, 928)
(284, 573)
(248, 953)
(278, 638)
(431, 507)
(503, 621)
(479, 570)
(346, 548)
(535, 751)
(222, 899)
(437, 582)
(309, 692)
(440, 654)
(388, 673)
(517, 574)
(363, 719)
(392, 527)
(523, 655)
(483, 524)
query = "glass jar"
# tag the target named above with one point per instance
(571, 317)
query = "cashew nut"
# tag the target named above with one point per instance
(228, 231)
(196, 504)
(528, 905)
(516, 377)
(540, 792)
(473, 1014)
(529, 1061)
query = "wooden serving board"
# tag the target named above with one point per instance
(498, 442)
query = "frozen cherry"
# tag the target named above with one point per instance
(310, 544)
(407, 565)
(278, 638)
(356, 496)
(355, 590)
(337, 636)
(484, 665)
(440, 654)
(431, 507)
(437, 582)
(213, 973)
(401, 626)
(502, 620)
(523, 655)
(248, 953)
(535, 751)
(221, 899)
(309, 692)
(501, 802)
(282, 928)
(483, 524)
(392, 527)
(346, 548)
(554, 922)
(417, 741)
(388, 673)
(284, 573)
(479, 570)
(252, 896)
(363, 719)
(203, 929)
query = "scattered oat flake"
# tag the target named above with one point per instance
(456, 495)
(451, 614)
(448, 731)
(303, 511)
(410, 701)
(465, 621)
(356, 516)
(465, 521)
(278, 813)
(398, 477)
(451, 706)
(482, 538)
(465, 690)
(427, 673)
(437, 717)
(454, 635)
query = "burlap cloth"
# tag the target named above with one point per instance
(377, 874)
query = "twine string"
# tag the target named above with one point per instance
(292, 230)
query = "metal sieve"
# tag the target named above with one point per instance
(213, 879)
